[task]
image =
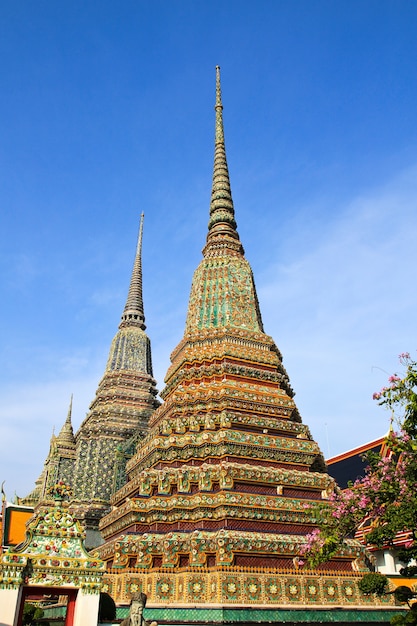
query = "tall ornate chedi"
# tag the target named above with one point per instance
(93, 462)
(125, 399)
(215, 509)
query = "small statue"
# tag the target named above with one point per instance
(135, 618)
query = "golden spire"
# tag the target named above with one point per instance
(133, 314)
(222, 225)
(223, 292)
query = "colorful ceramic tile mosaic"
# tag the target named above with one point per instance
(53, 554)
(93, 462)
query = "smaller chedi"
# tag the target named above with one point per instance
(93, 461)
(59, 465)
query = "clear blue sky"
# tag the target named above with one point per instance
(107, 111)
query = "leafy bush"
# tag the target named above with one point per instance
(409, 572)
(404, 594)
(374, 582)
(31, 613)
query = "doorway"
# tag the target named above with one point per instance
(52, 606)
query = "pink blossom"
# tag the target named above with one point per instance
(394, 378)
(364, 501)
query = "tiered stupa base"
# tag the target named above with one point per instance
(250, 595)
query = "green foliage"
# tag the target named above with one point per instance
(401, 397)
(31, 613)
(405, 619)
(404, 594)
(383, 502)
(409, 572)
(374, 582)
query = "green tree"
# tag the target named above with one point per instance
(384, 501)
(31, 613)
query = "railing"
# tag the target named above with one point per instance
(235, 570)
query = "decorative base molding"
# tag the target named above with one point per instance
(245, 588)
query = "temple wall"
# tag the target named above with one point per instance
(9, 599)
(86, 608)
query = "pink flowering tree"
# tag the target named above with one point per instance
(384, 501)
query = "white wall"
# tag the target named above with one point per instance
(9, 600)
(86, 609)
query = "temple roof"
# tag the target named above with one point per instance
(349, 466)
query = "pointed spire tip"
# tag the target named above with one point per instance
(218, 105)
(133, 312)
(222, 224)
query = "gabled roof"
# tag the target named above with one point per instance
(351, 465)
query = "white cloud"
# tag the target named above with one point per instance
(28, 415)
(343, 306)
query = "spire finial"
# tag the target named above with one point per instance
(219, 108)
(133, 314)
(69, 415)
(67, 434)
(222, 215)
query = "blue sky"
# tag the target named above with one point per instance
(107, 111)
